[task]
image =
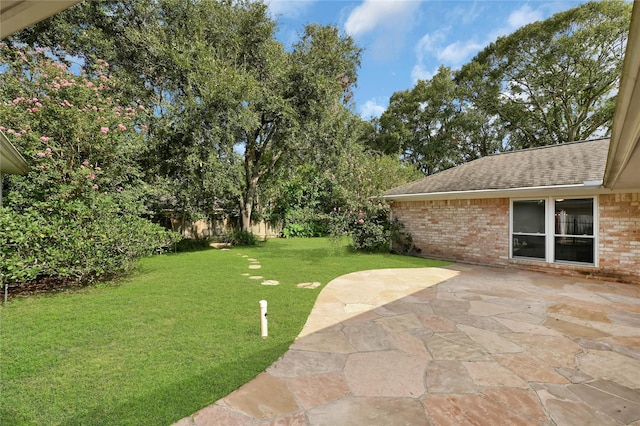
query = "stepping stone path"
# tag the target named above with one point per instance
(309, 285)
(256, 265)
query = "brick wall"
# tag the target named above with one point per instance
(477, 231)
(619, 243)
(473, 231)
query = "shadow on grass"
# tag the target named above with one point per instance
(174, 401)
(189, 245)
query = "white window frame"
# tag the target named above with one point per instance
(550, 234)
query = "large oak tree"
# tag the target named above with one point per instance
(553, 81)
(230, 101)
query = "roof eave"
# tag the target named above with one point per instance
(16, 15)
(623, 162)
(11, 161)
(586, 188)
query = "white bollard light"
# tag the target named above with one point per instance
(264, 326)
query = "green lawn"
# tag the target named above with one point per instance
(180, 333)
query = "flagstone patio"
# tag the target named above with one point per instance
(464, 345)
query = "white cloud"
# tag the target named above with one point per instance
(518, 18)
(457, 53)
(419, 72)
(465, 14)
(289, 8)
(523, 16)
(428, 44)
(388, 14)
(371, 109)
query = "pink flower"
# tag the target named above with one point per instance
(95, 186)
(360, 213)
(91, 176)
(85, 162)
(122, 127)
(89, 84)
(361, 221)
(48, 150)
(104, 130)
(2, 128)
(44, 139)
(144, 127)
(41, 154)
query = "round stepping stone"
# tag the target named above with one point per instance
(245, 275)
(252, 260)
(255, 266)
(225, 249)
(256, 277)
(309, 285)
(270, 282)
(244, 255)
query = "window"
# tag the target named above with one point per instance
(554, 230)
(573, 240)
(529, 239)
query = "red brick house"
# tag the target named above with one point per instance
(573, 208)
(539, 208)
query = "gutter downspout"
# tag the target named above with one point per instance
(391, 224)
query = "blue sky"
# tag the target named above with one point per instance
(408, 40)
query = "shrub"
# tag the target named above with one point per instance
(305, 223)
(367, 225)
(191, 244)
(79, 246)
(240, 238)
(79, 213)
(401, 240)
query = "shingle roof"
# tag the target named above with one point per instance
(565, 164)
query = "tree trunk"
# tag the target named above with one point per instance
(246, 206)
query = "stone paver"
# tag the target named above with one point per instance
(310, 285)
(452, 346)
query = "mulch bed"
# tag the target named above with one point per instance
(40, 286)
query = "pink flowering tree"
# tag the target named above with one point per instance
(80, 209)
